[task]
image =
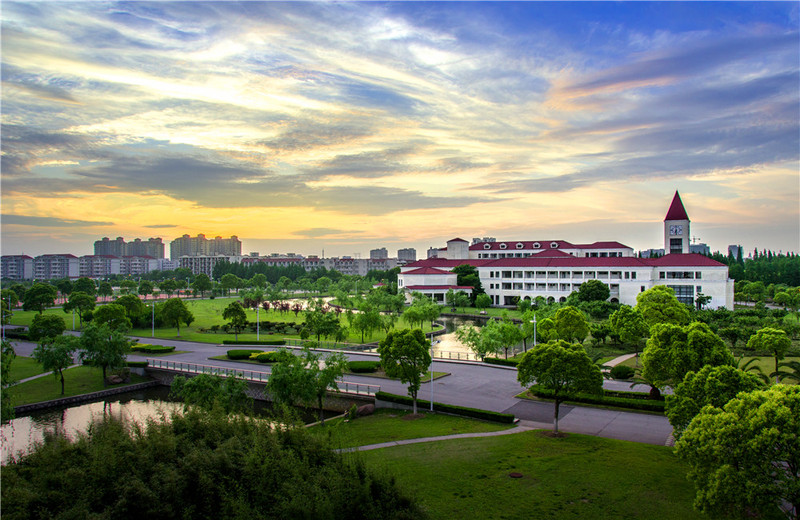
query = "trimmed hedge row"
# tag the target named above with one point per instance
(17, 334)
(485, 415)
(254, 342)
(151, 349)
(607, 399)
(271, 357)
(363, 367)
(242, 354)
(137, 364)
(501, 361)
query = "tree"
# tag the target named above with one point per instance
(127, 286)
(39, 297)
(744, 459)
(56, 354)
(174, 312)
(367, 320)
(713, 386)
(229, 281)
(236, 317)
(405, 354)
(561, 367)
(324, 373)
(105, 290)
(571, 324)
(7, 356)
(202, 283)
(133, 305)
(104, 348)
(629, 325)
(168, 286)
(775, 341)
(467, 276)
(593, 290)
(733, 334)
(64, 287)
(319, 321)
(483, 301)
(85, 285)
(46, 326)
(659, 305)
(482, 341)
(82, 303)
(207, 391)
(258, 281)
(114, 316)
(145, 288)
(546, 331)
(673, 351)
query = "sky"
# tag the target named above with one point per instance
(340, 127)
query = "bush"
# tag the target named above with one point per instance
(501, 361)
(137, 364)
(241, 354)
(475, 413)
(633, 403)
(363, 367)
(151, 349)
(622, 372)
(271, 357)
(17, 334)
(254, 342)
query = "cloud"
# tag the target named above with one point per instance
(319, 232)
(161, 226)
(27, 220)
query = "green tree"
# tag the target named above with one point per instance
(547, 331)
(229, 281)
(46, 326)
(775, 341)
(483, 301)
(366, 321)
(56, 354)
(133, 305)
(482, 341)
(207, 391)
(85, 285)
(319, 321)
(202, 283)
(64, 286)
(175, 312)
(168, 286)
(744, 459)
(659, 305)
(145, 288)
(236, 317)
(405, 354)
(259, 281)
(571, 324)
(39, 297)
(593, 290)
(467, 276)
(561, 367)
(673, 351)
(113, 315)
(105, 290)
(127, 286)
(7, 356)
(104, 348)
(628, 324)
(82, 303)
(713, 386)
(733, 334)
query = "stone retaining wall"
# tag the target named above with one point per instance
(82, 398)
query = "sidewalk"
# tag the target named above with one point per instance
(37, 376)
(617, 360)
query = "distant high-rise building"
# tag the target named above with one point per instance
(735, 250)
(378, 254)
(433, 252)
(110, 247)
(200, 246)
(406, 255)
(153, 247)
(17, 267)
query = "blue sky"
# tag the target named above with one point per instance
(346, 126)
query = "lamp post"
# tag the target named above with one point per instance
(258, 321)
(153, 320)
(534, 329)
(433, 342)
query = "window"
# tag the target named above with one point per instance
(633, 275)
(491, 274)
(662, 275)
(537, 245)
(627, 275)
(698, 275)
(487, 246)
(503, 246)
(684, 293)
(642, 289)
(675, 245)
(554, 245)
(520, 245)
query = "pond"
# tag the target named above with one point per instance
(450, 348)
(20, 434)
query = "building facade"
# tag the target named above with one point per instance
(153, 247)
(16, 267)
(52, 267)
(201, 246)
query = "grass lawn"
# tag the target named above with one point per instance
(767, 365)
(23, 367)
(393, 425)
(78, 380)
(563, 478)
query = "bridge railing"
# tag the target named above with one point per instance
(457, 355)
(345, 387)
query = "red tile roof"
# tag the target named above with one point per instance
(680, 260)
(673, 260)
(457, 240)
(428, 270)
(676, 210)
(442, 287)
(511, 245)
(602, 245)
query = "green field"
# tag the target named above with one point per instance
(77, 381)
(562, 478)
(23, 367)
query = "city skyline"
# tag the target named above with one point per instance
(302, 126)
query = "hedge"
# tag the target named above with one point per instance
(241, 354)
(501, 361)
(622, 372)
(475, 413)
(151, 349)
(17, 333)
(607, 399)
(137, 364)
(254, 342)
(363, 367)
(270, 357)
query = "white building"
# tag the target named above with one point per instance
(557, 270)
(99, 266)
(54, 267)
(17, 267)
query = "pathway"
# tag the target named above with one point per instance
(617, 360)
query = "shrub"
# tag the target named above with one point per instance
(137, 364)
(501, 361)
(271, 357)
(241, 354)
(17, 334)
(151, 349)
(254, 342)
(475, 413)
(622, 372)
(634, 403)
(363, 367)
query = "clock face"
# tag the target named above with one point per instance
(676, 230)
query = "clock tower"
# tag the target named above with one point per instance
(676, 228)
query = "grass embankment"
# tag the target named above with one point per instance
(562, 478)
(393, 425)
(77, 381)
(23, 367)
(765, 363)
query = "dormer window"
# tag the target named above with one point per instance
(503, 245)
(537, 245)
(553, 245)
(520, 245)
(487, 246)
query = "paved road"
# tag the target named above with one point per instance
(475, 385)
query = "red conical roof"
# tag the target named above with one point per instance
(676, 210)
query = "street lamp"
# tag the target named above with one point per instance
(534, 329)
(153, 320)
(433, 342)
